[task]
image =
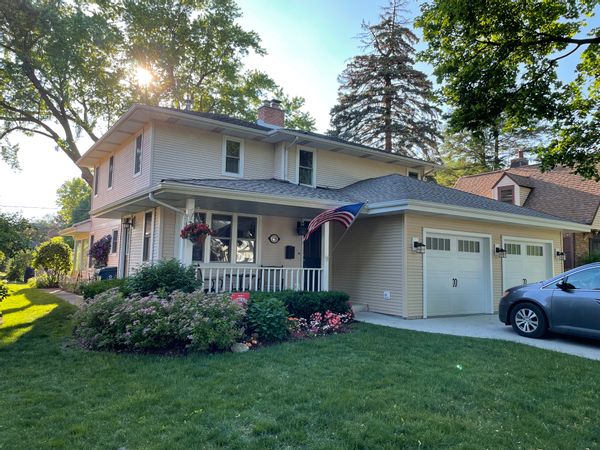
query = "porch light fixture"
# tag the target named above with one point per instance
(560, 255)
(129, 222)
(301, 227)
(500, 252)
(417, 246)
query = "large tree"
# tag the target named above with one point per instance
(498, 62)
(383, 101)
(67, 67)
(74, 199)
(16, 234)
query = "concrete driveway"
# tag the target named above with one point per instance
(488, 327)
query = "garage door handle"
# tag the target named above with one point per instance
(454, 282)
(524, 280)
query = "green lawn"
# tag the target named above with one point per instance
(372, 388)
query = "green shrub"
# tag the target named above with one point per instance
(3, 290)
(15, 268)
(92, 288)
(182, 321)
(303, 304)
(41, 282)
(269, 318)
(590, 258)
(55, 257)
(163, 278)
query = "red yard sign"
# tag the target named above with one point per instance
(241, 298)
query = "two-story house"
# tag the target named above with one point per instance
(558, 192)
(417, 249)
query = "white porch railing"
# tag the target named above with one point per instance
(231, 278)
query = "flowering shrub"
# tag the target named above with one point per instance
(99, 251)
(195, 230)
(181, 322)
(319, 324)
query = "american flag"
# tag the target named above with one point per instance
(344, 215)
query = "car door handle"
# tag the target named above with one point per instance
(598, 301)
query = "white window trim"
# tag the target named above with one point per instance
(137, 174)
(224, 157)
(112, 235)
(110, 177)
(234, 225)
(151, 244)
(314, 168)
(418, 177)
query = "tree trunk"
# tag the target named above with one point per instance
(86, 174)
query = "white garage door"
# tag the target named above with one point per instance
(526, 262)
(457, 275)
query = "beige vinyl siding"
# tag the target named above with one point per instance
(414, 225)
(337, 170)
(125, 182)
(595, 225)
(169, 233)
(369, 260)
(103, 227)
(184, 152)
(292, 174)
(523, 193)
(135, 249)
(274, 254)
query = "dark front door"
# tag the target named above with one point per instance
(569, 249)
(312, 259)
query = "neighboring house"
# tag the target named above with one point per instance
(258, 184)
(557, 192)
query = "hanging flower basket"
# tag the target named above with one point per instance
(196, 232)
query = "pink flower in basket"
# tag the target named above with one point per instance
(195, 232)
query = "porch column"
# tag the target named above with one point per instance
(185, 248)
(325, 243)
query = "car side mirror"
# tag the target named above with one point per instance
(563, 285)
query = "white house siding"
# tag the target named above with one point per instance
(274, 254)
(169, 233)
(369, 261)
(184, 152)
(135, 244)
(595, 225)
(337, 170)
(523, 193)
(125, 182)
(414, 225)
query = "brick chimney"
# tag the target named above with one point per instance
(270, 114)
(520, 160)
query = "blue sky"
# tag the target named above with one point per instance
(308, 44)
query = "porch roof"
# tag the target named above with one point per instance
(79, 229)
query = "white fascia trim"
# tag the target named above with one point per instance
(247, 196)
(471, 213)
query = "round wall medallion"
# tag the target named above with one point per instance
(274, 238)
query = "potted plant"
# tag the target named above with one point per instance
(196, 232)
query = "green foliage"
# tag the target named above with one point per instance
(182, 321)
(55, 257)
(4, 292)
(3, 260)
(383, 101)
(163, 278)
(303, 304)
(269, 318)
(498, 63)
(41, 281)
(15, 268)
(74, 64)
(15, 234)
(589, 258)
(92, 288)
(73, 197)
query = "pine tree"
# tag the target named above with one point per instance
(383, 101)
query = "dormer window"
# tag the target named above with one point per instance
(306, 167)
(506, 194)
(233, 157)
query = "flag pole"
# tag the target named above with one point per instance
(346, 230)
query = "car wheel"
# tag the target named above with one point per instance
(528, 320)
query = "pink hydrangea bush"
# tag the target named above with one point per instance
(319, 324)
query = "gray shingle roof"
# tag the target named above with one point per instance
(387, 188)
(222, 118)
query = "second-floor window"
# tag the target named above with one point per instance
(233, 157)
(96, 178)
(137, 164)
(306, 168)
(111, 164)
(506, 194)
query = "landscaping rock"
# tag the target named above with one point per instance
(239, 347)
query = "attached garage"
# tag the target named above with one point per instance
(457, 274)
(527, 261)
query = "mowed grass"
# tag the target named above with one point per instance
(372, 388)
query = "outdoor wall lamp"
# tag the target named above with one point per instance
(560, 255)
(417, 246)
(301, 227)
(129, 222)
(500, 252)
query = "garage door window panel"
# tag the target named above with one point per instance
(513, 249)
(441, 244)
(468, 246)
(535, 250)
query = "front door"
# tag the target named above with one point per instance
(578, 307)
(312, 259)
